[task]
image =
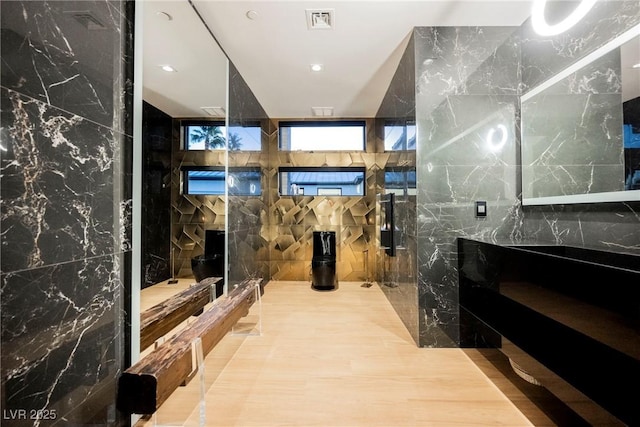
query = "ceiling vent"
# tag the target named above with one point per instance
(87, 20)
(322, 111)
(214, 111)
(320, 19)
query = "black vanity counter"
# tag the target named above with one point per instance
(571, 315)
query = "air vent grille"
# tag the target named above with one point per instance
(320, 19)
(214, 111)
(322, 111)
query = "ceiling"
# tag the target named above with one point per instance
(274, 50)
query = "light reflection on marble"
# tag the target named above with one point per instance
(467, 83)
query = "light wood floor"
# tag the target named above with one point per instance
(339, 358)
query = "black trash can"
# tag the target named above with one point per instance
(323, 274)
(323, 264)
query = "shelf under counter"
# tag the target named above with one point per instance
(578, 319)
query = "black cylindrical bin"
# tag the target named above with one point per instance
(211, 263)
(323, 273)
(323, 263)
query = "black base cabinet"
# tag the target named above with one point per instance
(571, 316)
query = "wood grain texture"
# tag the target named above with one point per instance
(145, 386)
(158, 320)
(342, 359)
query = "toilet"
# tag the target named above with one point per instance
(211, 263)
(323, 263)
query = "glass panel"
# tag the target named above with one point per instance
(398, 137)
(211, 181)
(400, 181)
(322, 136)
(204, 136)
(245, 138)
(322, 181)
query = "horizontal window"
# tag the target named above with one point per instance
(211, 181)
(310, 181)
(322, 136)
(212, 135)
(399, 136)
(401, 181)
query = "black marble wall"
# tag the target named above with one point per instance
(398, 275)
(606, 225)
(467, 81)
(157, 133)
(66, 199)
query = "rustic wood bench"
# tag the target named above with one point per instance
(160, 319)
(146, 385)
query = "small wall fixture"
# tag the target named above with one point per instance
(168, 68)
(481, 209)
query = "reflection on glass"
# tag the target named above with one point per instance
(400, 136)
(211, 181)
(212, 135)
(400, 181)
(321, 181)
(245, 138)
(581, 129)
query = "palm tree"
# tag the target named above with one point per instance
(211, 135)
(234, 141)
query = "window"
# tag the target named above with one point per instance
(400, 181)
(247, 137)
(204, 135)
(322, 136)
(212, 135)
(400, 136)
(321, 181)
(207, 180)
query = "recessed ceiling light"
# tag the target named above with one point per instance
(636, 65)
(251, 14)
(168, 68)
(316, 67)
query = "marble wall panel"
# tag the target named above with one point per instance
(601, 226)
(52, 55)
(467, 81)
(66, 210)
(578, 149)
(398, 275)
(543, 57)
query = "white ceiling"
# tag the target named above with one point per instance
(273, 52)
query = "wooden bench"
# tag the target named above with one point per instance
(160, 319)
(145, 386)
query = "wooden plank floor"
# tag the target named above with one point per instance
(338, 358)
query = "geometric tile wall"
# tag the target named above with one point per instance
(280, 247)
